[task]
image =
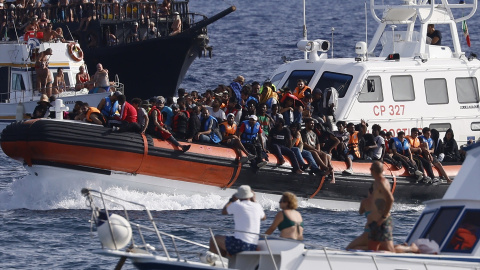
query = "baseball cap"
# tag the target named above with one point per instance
(254, 117)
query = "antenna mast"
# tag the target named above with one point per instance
(366, 29)
(304, 28)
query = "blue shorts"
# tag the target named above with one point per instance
(235, 245)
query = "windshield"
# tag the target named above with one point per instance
(306, 75)
(339, 81)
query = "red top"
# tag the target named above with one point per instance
(129, 113)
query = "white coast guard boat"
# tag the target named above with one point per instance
(409, 83)
(18, 96)
(452, 222)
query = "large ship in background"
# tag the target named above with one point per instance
(148, 67)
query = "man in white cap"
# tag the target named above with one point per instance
(247, 214)
(250, 134)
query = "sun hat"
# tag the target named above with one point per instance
(244, 192)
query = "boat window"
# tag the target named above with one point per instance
(442, 223)
(436, 91)
(475, 126)
(277, 78)
(440, 127)
(17, 82)
(402, 88)
(467, 90)
(339, 81)
(466, 234)
(291, 82)
(372, 90)
(420, 227)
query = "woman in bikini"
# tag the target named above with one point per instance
(59, 84)
(366, 207)
(289, 221)
(82, 79)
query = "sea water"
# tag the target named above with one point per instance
(44, 225)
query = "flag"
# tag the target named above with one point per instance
(465, 32)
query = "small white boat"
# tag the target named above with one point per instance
(18, 96)
(452, 222)
(409, 83)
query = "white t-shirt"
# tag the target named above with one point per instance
(377, 152)
(247, 216)
(220, 114)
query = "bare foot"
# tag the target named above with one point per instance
(333, 178)
(280, 163)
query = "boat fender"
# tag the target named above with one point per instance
(20, 112)
(75, 51)
(114, 232)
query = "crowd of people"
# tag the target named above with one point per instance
(256, 119)
(23, 16)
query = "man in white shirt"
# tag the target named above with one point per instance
(216, 112)
(247, 214)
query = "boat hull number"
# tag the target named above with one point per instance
(381, 110)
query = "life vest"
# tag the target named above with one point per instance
(413, 142)
(296, 142)
(401, 146)
(110, 108)
(463, 239)
(353, 144)
(229, 130)
(180, 126)
(151, 122)
(213, 135)
(93, 110)
(301, 93)
(429, 141)
(250, 133)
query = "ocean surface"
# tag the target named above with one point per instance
(44, 225)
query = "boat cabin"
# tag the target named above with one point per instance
(454, 221)
(17, 68)
(409, 84)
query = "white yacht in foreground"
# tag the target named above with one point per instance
(452, 222)
(409, 83)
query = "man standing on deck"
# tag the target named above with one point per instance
(380, 236)
(247, 214)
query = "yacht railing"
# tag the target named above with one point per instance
(100, 202)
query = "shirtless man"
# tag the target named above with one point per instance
(101, 81)
(380, 236)
(49, 34)
(41, 68)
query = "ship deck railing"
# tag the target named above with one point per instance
(105, 13)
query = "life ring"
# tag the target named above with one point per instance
(75, 51)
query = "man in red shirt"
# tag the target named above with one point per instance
(128, 116)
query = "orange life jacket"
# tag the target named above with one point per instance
(413, 142)
(229, 130)
(301, 93)
(353, 144)
(463, 239)
(93, 110)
